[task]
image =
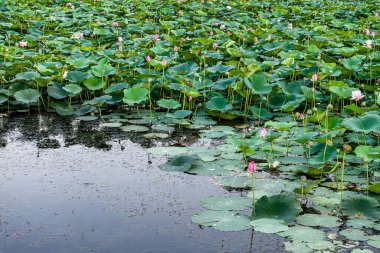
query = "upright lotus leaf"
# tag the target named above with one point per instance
(3, 99)
(180, 163)
(168, 103)
(103, 69)
(116, 88)
(342, 92)
(55, 90)
(220, 69)
(184, 69)
(280, 126)
(135, 95)
(99, 101)
(368, 152)
(78, 63)
(367, 123)
(258, 84)
(76, 76)
(281, 207)
(73, 89)
(222, 220)
(27, 96)
(353, 63)
(360, 110)
(219, 104)
(94, 83)
(31, 75)
(361, 205)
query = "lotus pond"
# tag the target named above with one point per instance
(236, 119)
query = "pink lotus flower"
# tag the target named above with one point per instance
(215, 45)
(120, 39)
(255, 39)
(175, 49)
(302, 116)
(115, 24)
(376, 15)
(147, 58)
(269, 37)
(373, 34)
(164, 62)
(369, 43)
(263, 132)
(155, 37)
(356, 95)
(180, 12)
(211, 33)
(252, 167)
(314, 78)
(339, 60)
(250, 29)
(216, 24)
(367, 31)
(22, 43)
(120, 48)
(190, 98)
(69, 5)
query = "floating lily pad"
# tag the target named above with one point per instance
(316, 220)
(134, 128)
(304, 234)
(361, 205)
(222, 220)
(180, 163)
(269, 226)
(226, 203)
(354, 234)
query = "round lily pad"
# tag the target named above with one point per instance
(226, 203)
(354, 234)
(269, 226)
(316, 220)
(134, 128)
(222, 220)
(305, 234)
(180, 163)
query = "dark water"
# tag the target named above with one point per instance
(99, 191)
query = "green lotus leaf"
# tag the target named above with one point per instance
(304, 234)
(73, 89)
(269, 226)
(258, 84)
(135, 95)
(168, 103)
(281, 207)
(98, 101)
(280, 126)
(55, 90)
(94, 83)
(31, 75)
(366, 123)
(180, 114)
(222, 220)
(368, 152)
(78, 63)
(76, 76)
(180, 163)
(219, 104)
(103, 69)
(361, 205)
(353, 63)
(226, 203)
(27, 96)
(316, 220)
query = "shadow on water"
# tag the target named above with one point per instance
(72, 186)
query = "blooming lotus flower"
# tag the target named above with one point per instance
(290, 26)
(164, 62)
(356, 95)
(269, 37)
(120, 39)
(155, 37)
(64, 75)
(22, 43)
(369, 43)
(263, 132)
(252, 167)
(229, 8)
(175, 49)
(69, 5)
(222, 26)
(376, 15)
(314, 78)
(216, 24)
(115, 24)
(215, 45)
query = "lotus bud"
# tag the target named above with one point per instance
(297, 114)
(338, 151)
(330, 107)
(363, 104)
(275, 164)
(309, 112)
(347, 147)
(315, 109)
